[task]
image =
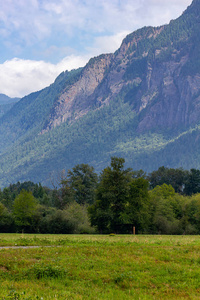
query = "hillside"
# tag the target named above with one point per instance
(6, 103)
(141, 102)
(4, 99)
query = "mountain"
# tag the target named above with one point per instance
(141, 102)
(6, 103)
(4, 99)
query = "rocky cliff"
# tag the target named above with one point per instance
(149, 71)
(141, 103)
(76, 100)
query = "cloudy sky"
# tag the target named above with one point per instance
(41, 38)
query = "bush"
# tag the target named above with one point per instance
(56, 223)
(77, 215)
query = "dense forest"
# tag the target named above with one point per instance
(165, 201)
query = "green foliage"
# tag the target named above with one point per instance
(111, 197)
(6, 198)
(137, 207)
(192, 182)
(166, 210)
(72, 219)
(77, 215)
(6, 220)
(2, 209)
(55, 221)
(175, 177)
(83, 181)
(24, 208)
(183, 181)
(163, 190)
(109, 131)
(122, 200)
(192, 212)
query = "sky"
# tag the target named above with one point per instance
(41, 38)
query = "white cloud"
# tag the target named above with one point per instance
(107, 44)
(157, 12)
(53, 29)
(20, 77)
(35, 20)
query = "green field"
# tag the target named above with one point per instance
(99, 267)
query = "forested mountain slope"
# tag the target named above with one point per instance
(6, 103)
(142, 103)
(4, 99)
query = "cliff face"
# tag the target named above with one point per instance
(152, 70)
(74, 101)
(141, 103)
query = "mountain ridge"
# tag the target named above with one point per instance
(141, 102)
(4, 99)
(6, 103)
(138, 44)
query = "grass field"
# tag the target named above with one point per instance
(99, 267)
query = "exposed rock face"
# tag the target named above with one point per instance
(74, 101)
(148, 72)
(176, 100)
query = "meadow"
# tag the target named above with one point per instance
(99, 267)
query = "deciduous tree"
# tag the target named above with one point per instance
(136, 211)
(24, 208)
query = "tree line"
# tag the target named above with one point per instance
(165, 201)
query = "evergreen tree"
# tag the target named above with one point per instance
(83, 181)
(111, 197)
(192, 185)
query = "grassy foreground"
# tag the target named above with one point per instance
(100, 267)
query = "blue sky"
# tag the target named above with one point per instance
(41, 38)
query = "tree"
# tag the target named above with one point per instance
(24, 208)
(7, 201)
(77, 214)
(38, 191)
(67, 193)
(137, 207)
(139, 173)
(166, 211)
(192, 185)
(192, 210)
(111, 197)
(83, 181)
(56, 199)
(6, 219)
(56, 222)
(165, 191)
(174, 177)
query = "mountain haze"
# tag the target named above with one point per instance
(141, 102)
